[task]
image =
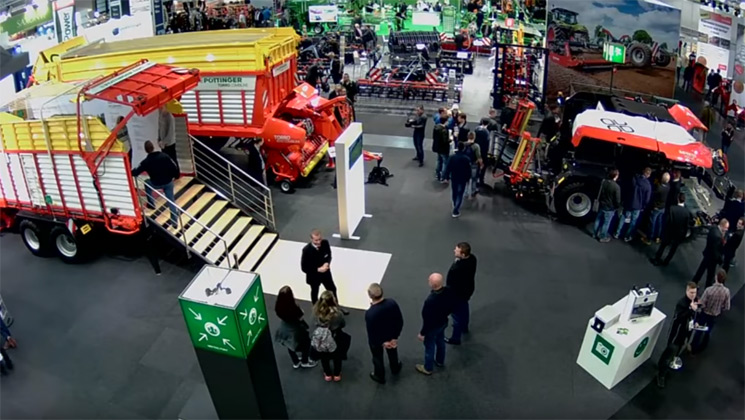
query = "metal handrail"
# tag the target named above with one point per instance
(234, 184)
(181, 233)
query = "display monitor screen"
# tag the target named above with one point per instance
(355, 151)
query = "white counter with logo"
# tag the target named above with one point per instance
(621, 348)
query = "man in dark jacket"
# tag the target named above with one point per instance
(461, 130)
(384, 324)
(162, 170)
(609, 201)
(733, 209)
(256, 163)
(635, 201)
(482, 139)
(435, 313)
(685, 309)
(676, 187)
(659, 200)
(675, 229)
(458, 171)
(418, 123)
(441, 144)
(713, 253)
(461, 280)
(316, 264)
(733, 242)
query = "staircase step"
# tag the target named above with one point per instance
(230, 236)
(193, 210)
(243, 244)
(258, 251)
(205, 219)
(178, 185)
(218, 227)
(181, 201)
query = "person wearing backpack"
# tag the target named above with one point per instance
(293, 330)
(483, 140)
(328, 339)
(473, 151)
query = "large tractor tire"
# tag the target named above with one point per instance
(640, 55)
(35, 237)
(573, 201)
(68, 248)
(663, 59)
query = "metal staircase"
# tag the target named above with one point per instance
(226, 217)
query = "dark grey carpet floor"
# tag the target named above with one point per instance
(107, 340)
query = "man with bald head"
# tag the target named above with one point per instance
(659, 200)
(435, 312)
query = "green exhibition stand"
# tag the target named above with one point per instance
(226, 318)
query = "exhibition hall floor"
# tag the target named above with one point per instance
(107, 340)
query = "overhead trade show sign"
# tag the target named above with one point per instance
(713, 47)
(64, 20)
(27, 20)
(318, 14)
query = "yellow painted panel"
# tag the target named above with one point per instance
(29, 135)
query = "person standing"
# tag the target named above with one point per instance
(674, 231)
(473, 151)
(256, 167)
(609, 201)
(659, 199)
(685, 310)
(441, 143)
(384, 323)
(458, 171)
(350, 86)
(316, 264)
(482, 139)
(293, 330)
(713, 252)
(728, 134)
(461, 280)
(5, 338)
(707, 116)
(461, 130)
(418, 123)
(336, 68)
(636, 201)
(680, 66)
(167, 135)
(162, 171)
(733, 242)
(435, 311)
(688, 77)
(733, 209)
(715, 300)
(329, 321)
(676, 187)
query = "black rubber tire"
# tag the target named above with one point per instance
(67, 255)
(663, 59)
(640, 55)
(286, 186)
(574, 189)
(40, 247)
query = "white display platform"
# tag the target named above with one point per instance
(610, 357)
(350, 177)
(426, 18)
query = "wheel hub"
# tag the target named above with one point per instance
(578, 205)
(66, 246)
(31, 239)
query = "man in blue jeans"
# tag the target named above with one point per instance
(635, 201)
(461, 281)
(609, 201)
(162, 171)
(659, 199)
(435, 313)
(458, 170)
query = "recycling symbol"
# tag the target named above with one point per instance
(641, 347)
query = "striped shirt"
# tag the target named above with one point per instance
(715, 299)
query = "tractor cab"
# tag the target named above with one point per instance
(565, 16)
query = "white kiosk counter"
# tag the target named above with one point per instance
(612, 355)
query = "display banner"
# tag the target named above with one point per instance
(738, 73)
(713, 47)
(322, 13)
(64, 21)
(159, 17)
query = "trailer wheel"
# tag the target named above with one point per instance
(35, 239)
(66, 246)
(573, 203)
(640, 55)
(286, 186)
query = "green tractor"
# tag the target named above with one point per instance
(563, 26)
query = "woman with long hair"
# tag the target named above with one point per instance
(329, 315)
(293, 330)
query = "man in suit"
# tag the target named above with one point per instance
(675, 228)
(733, 209)
(713, 253)
(316, 264)
(384, 323)
(733, 242)
(461, 280)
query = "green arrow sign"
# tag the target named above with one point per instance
(224, 310)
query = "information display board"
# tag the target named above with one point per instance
(224, 310)
(716, 33)
(320, 14)
(350, 175)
